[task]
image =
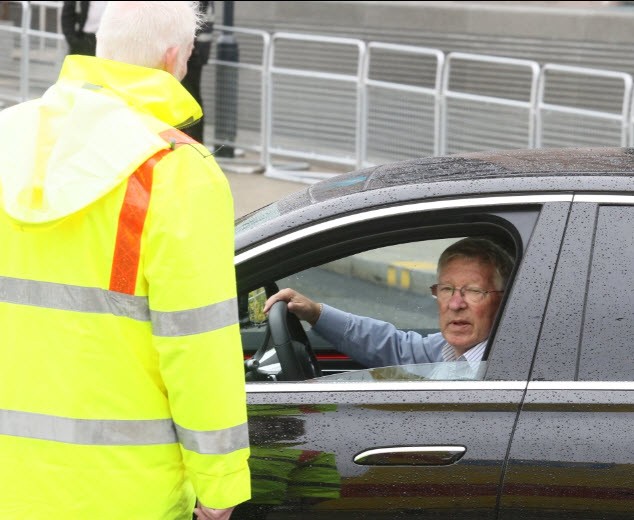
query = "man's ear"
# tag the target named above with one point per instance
(171, 60)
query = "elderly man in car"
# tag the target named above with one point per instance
(472, 274)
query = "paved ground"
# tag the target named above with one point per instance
(254, 190)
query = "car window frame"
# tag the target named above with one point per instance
(517, 215)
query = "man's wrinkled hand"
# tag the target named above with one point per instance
(207, 513)
(301, 306)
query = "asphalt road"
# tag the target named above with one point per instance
(254, 190)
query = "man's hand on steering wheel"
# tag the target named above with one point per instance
(301, 306)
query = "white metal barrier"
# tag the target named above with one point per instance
(251, 83)
(399, 120)
(560, 123)
(31, 57)
(338, 104)
(631, 122)
(314, 113)
(480, 120)
(14, 68)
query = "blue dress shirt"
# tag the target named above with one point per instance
(376, 343)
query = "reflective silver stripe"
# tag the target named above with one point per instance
(87, 431)
(218, 442)
(195, 321)
(73, 298)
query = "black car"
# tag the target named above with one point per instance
(543, 429)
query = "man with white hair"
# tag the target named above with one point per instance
(472, 276)
(122, 390)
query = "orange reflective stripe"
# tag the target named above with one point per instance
(127, 251)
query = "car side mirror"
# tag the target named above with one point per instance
(251, 308)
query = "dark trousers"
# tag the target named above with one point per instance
(191, 82)
(83, 43)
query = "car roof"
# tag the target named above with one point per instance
(545, 170)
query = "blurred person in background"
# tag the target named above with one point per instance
(195, 64)
(80, 21)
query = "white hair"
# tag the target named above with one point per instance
(140, 33)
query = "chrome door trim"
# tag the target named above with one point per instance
(581, 385)
(604, 199)
(410, 456)
(389, 386)
(400, 210)
(383, 386)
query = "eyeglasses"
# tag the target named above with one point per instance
(444, 292)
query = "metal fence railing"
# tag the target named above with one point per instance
(31, 56)
(304, 107)
(237, 91)
(484, 114)
(573, 121)
(400, 117)
(314, 107)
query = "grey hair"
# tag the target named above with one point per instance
(140, 33)
(483, 249)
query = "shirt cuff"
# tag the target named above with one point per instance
(332, 324)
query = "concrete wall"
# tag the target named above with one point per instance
(583, 34)
(612, 23)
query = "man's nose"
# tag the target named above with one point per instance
(457, 301)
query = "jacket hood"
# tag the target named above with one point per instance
(85, 135)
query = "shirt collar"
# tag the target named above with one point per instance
(473, 355)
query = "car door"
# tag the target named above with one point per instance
(389, 448)
(571, 455)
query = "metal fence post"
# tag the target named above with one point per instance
(25, 51)
(226, 87)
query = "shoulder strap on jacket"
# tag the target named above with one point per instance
(127, 250)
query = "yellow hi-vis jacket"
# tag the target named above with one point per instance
(121, 372)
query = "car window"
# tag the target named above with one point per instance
(391, 284)
(608, 327)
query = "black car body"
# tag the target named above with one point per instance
(545, 429)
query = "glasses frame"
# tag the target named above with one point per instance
(462, 290)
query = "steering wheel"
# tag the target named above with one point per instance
(295, 354)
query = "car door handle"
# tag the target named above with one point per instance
(411, 456)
